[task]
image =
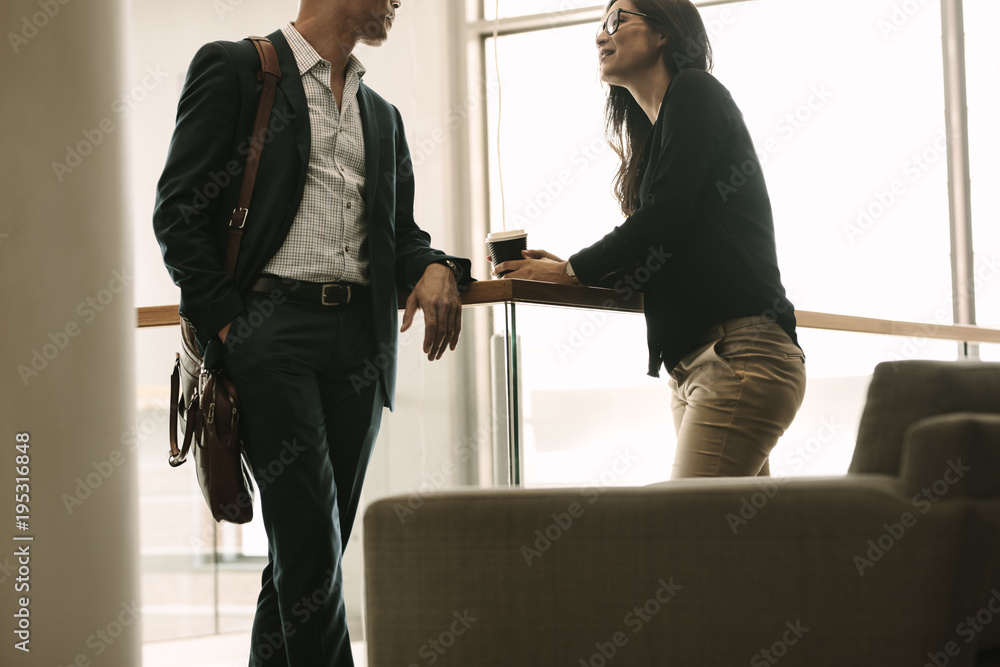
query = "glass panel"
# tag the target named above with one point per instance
(199, 577)
(982, 54)
(510, 8)
(853, 157)
(590, 414)
(592, 417)
(989, 352)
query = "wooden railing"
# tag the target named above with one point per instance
(491, 292)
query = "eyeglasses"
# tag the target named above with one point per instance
(614, 20)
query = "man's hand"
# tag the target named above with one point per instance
(538, 265)
(437, 295)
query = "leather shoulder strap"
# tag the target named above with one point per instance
(270, 73)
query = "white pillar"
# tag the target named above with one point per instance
(67, 332)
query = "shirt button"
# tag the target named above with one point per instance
(348, 204)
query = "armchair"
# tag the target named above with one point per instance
(896, 563)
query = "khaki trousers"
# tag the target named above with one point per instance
(733, 397)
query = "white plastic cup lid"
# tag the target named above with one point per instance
(506, 236)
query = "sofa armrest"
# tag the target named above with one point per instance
(708, 572)
(956, 453)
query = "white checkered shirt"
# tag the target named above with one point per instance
(328, 239)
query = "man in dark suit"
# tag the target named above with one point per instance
(312, 307)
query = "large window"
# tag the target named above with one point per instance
(983, 61)
(847, 117)
(846, 109)
(511, 8)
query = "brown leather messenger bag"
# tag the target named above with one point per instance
(203, 400)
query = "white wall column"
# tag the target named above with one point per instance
(67, 331)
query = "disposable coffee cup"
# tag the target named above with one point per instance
(506, 246)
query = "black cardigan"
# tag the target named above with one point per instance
(701, 246)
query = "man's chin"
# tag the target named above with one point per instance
(376, 32)
(375, 40)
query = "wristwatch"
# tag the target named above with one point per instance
(455, 268)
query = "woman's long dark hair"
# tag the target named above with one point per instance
(626, 126)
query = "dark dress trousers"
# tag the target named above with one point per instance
(304, 372)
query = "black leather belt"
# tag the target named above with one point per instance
(322, 294)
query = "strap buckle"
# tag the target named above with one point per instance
(239, 215)
(345, 288)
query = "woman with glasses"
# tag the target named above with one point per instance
(698, 241)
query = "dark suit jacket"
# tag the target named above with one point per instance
(200, 187)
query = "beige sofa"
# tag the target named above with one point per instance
(896, 563)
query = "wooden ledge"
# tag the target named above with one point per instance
(480, 293)
(494, 292)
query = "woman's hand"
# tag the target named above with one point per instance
(531, 254)
(540, 254)
(538, 265)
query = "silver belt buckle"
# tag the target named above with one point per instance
(324, 301)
